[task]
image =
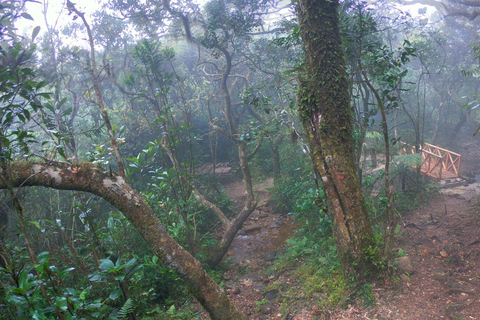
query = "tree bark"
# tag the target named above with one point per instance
(275, 159)
(324, 109)
(92, 178)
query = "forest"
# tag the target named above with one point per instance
(239, 159)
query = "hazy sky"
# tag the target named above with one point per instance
(58, 13)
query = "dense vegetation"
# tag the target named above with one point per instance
(129, 113)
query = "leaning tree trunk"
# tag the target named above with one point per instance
(236, 224)
(91, 178)
(324, 109)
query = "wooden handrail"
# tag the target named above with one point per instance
(438, 162)
(439, 148)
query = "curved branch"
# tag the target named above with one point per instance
(197, 194)
(183, 18)
(91, 178)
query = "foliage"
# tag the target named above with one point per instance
(169, 89)
(318, 271)
(296, 178)
(20, 92)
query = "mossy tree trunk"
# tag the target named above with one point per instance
(92, 178)
(324, 109)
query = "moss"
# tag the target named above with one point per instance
(324, 108)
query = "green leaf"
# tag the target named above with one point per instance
(115, 294)
(126, 309)
(95, 277)
(19, 291)
(27, 16)
(26, 113)
(106, 264)
(61, 103)
(61, 151)
(111, 224)
(23, 280)
(68, 112)
(130, 263)
(35, 32)
(35, 223)
(84, 294)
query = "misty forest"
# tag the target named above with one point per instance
(239, 159)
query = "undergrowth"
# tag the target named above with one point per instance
(311, 260)
(311, 252)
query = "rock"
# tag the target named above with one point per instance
(258, 287)
(271, 295)
(405, 265)
(252, 229)
(275, 224)
(404, 277)
(247, 282)
(269, 256)
(252, 276)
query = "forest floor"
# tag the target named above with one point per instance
(438, 276)
(441, 240)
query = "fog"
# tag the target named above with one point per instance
(191, 112)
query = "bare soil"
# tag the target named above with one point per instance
(253, 252)
(442, 240)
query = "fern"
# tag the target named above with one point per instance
(127, 308)
(409, 160)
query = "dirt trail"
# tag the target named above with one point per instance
(253, 252)
(442, 241)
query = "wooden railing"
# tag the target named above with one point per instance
(440, 163)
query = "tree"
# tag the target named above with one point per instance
(92, 178)
(21, 91)
(324, 109)
(226, 28)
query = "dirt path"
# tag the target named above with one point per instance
(253, 252)
(443, 242)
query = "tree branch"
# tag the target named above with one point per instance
(91, 178)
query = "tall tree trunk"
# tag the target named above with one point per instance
(275, 159)
(91, 178)
(390, 219)
(437, 122)
(324, 109)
